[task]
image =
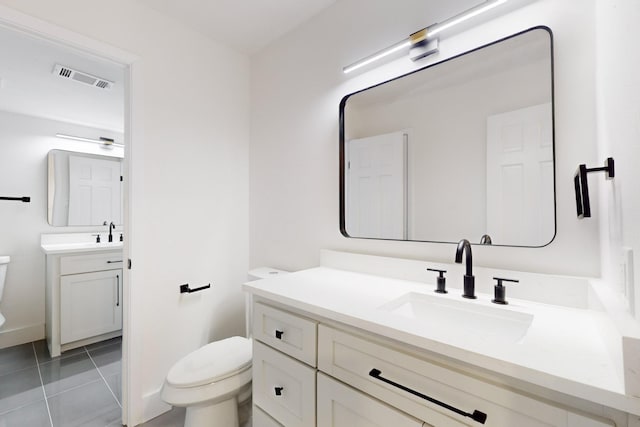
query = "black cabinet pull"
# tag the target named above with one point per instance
(117, 290)
(478, 416)
(279, 334)
(109, 261)
(185, 289)
(279, 390)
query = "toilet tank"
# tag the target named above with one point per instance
(257, 274)
(264, 273)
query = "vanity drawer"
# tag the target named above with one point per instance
(351, 359)
(291, 334)
(284, 387)
(74, 264)
(341, 406)
(262, 419)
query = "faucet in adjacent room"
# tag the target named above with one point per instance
(469, 280)
(112, 226)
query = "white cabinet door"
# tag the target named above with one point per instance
(90, 304)
(342, 406)
(283, 387)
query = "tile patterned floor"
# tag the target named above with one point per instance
(79, 388)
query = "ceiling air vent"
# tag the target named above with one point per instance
(71, 74)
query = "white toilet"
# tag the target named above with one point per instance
(4, 261)
(213, 381)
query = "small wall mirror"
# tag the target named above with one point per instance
(83, 189)
(462, 148)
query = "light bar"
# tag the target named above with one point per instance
(425, 35)
(105, 142)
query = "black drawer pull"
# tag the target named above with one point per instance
(114, 262)
(478, 416)
(279, 390)
(185, 289)
(279, 334)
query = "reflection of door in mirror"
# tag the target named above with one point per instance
(376, 189)
(84, 189)
(94, 191)
(519, 164)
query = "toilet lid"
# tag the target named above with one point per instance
(213, 362)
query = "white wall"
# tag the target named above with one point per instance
(618, 67)
(24, 144)
(297, 84)
(190, 185)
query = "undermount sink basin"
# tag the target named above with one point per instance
(462, 319)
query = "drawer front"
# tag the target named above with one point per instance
(283, 387)
(87, 263)
(342, 406)
(261, 419)
(291, 334)
(352, 359)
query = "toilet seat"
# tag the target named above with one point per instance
(212, 363)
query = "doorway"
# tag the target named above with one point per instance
(41, 33)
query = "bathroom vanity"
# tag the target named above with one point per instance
(342, 348)
(83, 291)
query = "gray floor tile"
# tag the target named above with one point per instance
(108, 359)
(42, 352)
(112, 341)
(16, 358)
(19, 389)
(33, 415)
(67, 373)
(87, 406)
(173, 418)
(115, 384)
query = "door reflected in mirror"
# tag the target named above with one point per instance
(460, 149)
(84, 189)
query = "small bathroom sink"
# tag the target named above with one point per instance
(466, 320)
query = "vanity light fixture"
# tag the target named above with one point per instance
(104, 142)
(423, 43)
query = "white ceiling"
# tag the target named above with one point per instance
(245, 25)
(28, 86)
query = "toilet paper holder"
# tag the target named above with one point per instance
(185, 289)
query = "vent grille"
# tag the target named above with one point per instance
(79, 76)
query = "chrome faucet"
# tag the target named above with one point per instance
(469, 280)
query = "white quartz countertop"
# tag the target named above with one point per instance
(564, 349)
(63, 243)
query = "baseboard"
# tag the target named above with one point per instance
(153, 406)
(18, 336)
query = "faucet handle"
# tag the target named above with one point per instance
(441, 281)
(499, 291)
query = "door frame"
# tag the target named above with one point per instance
(132, 401)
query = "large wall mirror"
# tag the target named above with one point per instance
(84, 189)
(460, 149)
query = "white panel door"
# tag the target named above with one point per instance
(342, 406)
(376, 186)
(520, 202)
(94, 191)
(90, 304)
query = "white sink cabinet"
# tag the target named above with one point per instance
(312, 371)
(83, 298)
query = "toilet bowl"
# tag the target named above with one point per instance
(4, 261)
(213, 381)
